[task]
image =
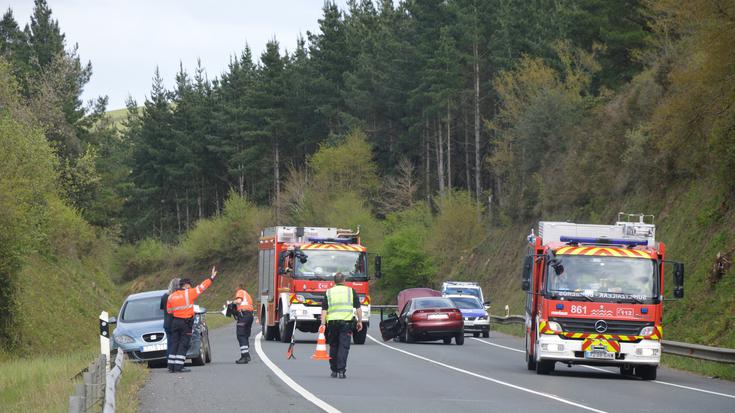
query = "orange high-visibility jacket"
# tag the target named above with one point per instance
(247, 303)
(181, 302)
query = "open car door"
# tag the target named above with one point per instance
(390, 327)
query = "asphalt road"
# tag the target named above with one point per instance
(480, 376)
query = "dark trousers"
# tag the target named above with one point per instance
(167, 330)
(180, 338)
(242, 330)
(339, 337)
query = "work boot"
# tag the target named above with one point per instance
(243, 359)
(342, 375)
(247, 356)
(333, 375)
(171, 369)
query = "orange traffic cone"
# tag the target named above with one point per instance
(321, 347)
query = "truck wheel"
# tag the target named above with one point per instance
(530, 358)
(545, 366)
(358, 337)
(646, 372)
(285, 329)
(626, 370)
(269, 333)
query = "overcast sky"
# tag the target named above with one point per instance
(126, 39)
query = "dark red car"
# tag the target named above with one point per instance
(431, 318)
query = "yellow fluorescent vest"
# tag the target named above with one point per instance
(340, 299)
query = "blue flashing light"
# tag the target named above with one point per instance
(331, 240)
(644, 310)
(605, 241)
(559, 306)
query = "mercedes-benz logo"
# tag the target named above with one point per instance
(600, 326)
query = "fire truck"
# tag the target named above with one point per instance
(296, 266)
(594, 295)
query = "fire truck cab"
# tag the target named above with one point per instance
(296, 266)
(595, 295)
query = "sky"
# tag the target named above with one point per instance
(126, 39)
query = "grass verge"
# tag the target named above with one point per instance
(703, 367)
(133, 378)
(23, 380)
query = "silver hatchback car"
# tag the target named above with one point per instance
(139, 332)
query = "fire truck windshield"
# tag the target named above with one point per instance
(322, 265)
(606, 278)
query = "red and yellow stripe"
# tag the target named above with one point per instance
(333, 247)
(606, 252)
(609, 345)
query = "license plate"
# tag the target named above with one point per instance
(599, 354)
(469, 323)
(438, 317)
(154, 347)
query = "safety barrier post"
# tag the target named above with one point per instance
(105, 337)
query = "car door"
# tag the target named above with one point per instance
(392, 326)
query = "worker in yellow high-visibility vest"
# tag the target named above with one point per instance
(338, 316)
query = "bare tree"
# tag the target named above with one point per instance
(399, 190)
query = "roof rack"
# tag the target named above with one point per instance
(625, 232)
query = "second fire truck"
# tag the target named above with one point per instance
(595, 295)
(296, 266)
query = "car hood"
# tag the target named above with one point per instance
(138, 328)
(473, 312)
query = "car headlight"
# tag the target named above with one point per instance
(554, 326)
(484, 317)
(124, 339)
(647, 331)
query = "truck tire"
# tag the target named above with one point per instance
(530, 358)
(269, 333)
(545, 366)
(646, 372)
(285, 329)
(358, 337)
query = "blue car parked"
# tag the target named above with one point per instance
(476, 319)
(139, 332)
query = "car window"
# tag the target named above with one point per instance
(406, 307)
(142, 309)
(433, 303)
(467, 303)
(462, 290)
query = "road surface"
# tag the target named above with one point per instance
(480, 376)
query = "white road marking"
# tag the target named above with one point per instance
(479, 376)
(613, 372)
(290, 382)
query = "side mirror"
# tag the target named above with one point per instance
(378, 262)
(527, 270)
(112, 320)
(679, 280)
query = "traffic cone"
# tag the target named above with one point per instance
(321, 346)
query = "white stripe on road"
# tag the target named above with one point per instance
(479, 376)
(613, 372)
(290, 382)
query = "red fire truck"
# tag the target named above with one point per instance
(595, 295)
(296, 266)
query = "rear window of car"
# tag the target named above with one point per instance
(422, 303)
(467, 303)
(142, 309)
(461, 290)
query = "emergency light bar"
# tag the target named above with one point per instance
(332, 240)
(605, 241)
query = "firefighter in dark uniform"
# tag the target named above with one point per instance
(338, 315)
(242, 310)
(181, 305)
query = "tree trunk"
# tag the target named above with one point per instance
(188, 214)
(277, 182)
(427, 160)
(178, 213)
(440, 157)
(466, 154)
(449, 147)
(477, 120)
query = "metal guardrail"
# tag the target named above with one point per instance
(91, 391)
(111, 383)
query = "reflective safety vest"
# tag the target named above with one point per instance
(340, 300)
(181, 302)
(247, 303)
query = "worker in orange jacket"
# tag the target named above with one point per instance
(242, 310)
(181, 305)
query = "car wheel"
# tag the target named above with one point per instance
(485, 334)
(407, 337)
(475, 335)
(459, 339)
(447, 340)
(199, 360)
(208, 359)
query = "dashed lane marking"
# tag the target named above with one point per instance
(290, 382)
(479, 376)
(665, 383)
